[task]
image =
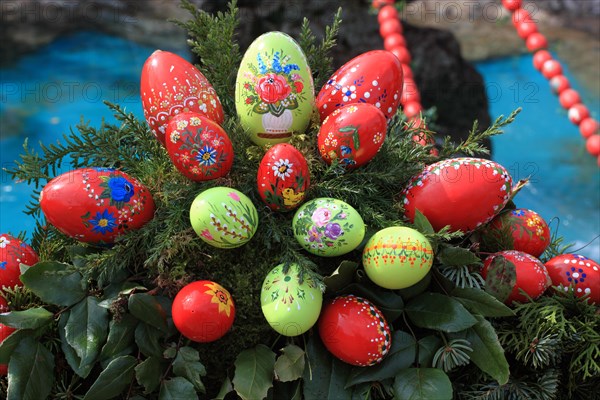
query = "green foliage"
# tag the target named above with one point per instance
(31, 373)
(254, 372)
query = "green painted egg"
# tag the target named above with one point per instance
(224, 217)
(328, 227)
(274, 90)
(397, 257)
(290, 307)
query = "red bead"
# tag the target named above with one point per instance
(412, 109)
(389, 27)
(592, 145)
(387, 12)
(402, 54)
(568, 98)
(407, 72)
(588, 127)
(540, 57)
(578, 113)
(559, 83)
(410, 92)
(393, 40)
(511, 5)
(526, 28)
(536, 41)
(520, 15)
(551, 68)
(381, 3)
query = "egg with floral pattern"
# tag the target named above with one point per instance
(352, 134)
(355, 331)
(170, 85)
(374, 77)
(283, 177)
(508, 272)
(274, 93)
(224, 217)
(463, 193)
(203, 311)
(13, 253)
(291, 301)
(328, 227)
(577, 272)
(96, 205)
(199, 147)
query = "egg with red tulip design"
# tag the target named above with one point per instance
(13, 253)
(352, 134)
(577, 272)
(170, 85)
(355, 331)
(283, 177)
(96, 205)
(374, 77)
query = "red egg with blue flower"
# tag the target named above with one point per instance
(13, 253)
(96, 205)
(576, 272)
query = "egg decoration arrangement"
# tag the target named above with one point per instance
(355, 331)
(203, 311)
(169, 85)
(291, 302)
(13, 253)
(576, 272)
(274, 89)
(283, 177)
(96, 205)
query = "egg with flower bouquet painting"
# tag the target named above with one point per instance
(374, 77)
(274, 91)
(352, 134)
(283, 177)
(13, 253)
(96, 205)
(170, 85)
(328, 227)
(199, 147)
(291, 301)
(576, 272)
(223, 217)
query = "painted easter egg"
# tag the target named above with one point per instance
(5, 332)
(461, 192)
(224, 217)
(521, 229)
(274, 89)
(577, 272)
(352, 134)
(508, 272)
(290, 303)
(95, 205)
(355, 331)
(13, 253)
(374, 77)
(170, 85)
(283, 177)
(199, 147)
(397, 257)
(203, 311)
(328, 227)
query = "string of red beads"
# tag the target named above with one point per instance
(552, 70)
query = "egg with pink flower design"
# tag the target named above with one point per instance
(328, 227)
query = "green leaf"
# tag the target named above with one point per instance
(416, 289)
(148, 373)
(422, 384)
(402, 355)
(388, 302)
(177, 389)
(487, 353)
(324, 377)
(501, 278)
(147, 309)
(226, 388)
(115, 378)
(55, 283)
(457, 256)
(87, 328)
(439, 312)
(480, 302)
(120, 339)
(290, 364)
(342, 276)
(427, 348)
(254, 369)
(9, 344)
(422, 224)
(30, 371)
(148, 339)
(83, 370)
(32, 318)
(78, 253)
(187, 365)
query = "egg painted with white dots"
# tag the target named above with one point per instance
(576, 272)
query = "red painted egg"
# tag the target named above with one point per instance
(355, 331)
(578, 113)
(540, 57)
(531, 276)
(551, 68)
(283, 177)
(588, 127)
(170, 85)
(511, 5)
(95, 205)
(568, 98)
(536, 41)
(526, 28)
(559, 83)
(393, 40)
(353, 134)
(580, 272)
(13, 253)
(374, 77)
(528, 231)
(461, 192)
(199, 147)
(387, 12)
(402, 54)
(5, 332)
(203, 311)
